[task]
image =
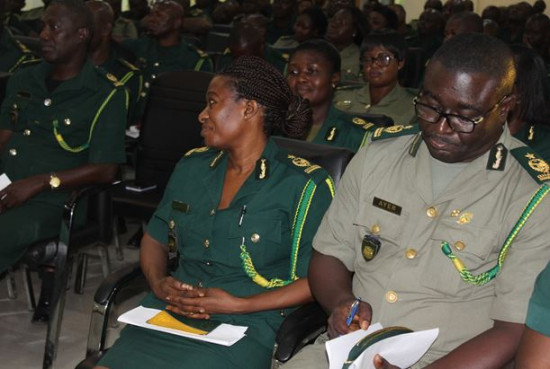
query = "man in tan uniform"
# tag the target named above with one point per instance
(407, 206)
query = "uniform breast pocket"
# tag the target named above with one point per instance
(475, 246)
(263, 240)
(72, 129)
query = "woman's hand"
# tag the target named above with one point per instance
(337, 320)
(200, 303)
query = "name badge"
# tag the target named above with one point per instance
(386, 205)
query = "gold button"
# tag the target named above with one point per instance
(27, 132)
(431, 212)
(153, 76)
(255, 237)
(200, 284)
(13, 152)
(207, 243)
(391, 297)
(67, 121)
(14, 106)
(208, 263)
(147, 84)
(459, 245)
(455, 213)
(156, 64)
(143, 94)
(212, 212)
(410, 253)
(367, 107)
(48, 102)
(375, 229)
(171, 224)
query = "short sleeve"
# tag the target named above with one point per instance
(538, 314)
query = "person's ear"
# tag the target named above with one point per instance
(83, 33)
(335, 79)
(251, 109)
(507, 105)
(400, 64)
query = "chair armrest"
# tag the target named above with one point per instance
(84, 192)
(301, 327)
(116, 281)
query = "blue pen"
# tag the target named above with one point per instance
(353, 311)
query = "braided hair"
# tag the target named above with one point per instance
(255, 79)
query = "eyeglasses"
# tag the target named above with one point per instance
(382, 60)
(457, 123)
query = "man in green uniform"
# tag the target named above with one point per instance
(424, 226)
(104, 53)
(164, 50)
(61, 127)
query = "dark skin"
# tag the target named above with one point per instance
(164, 23)
(100, 47)
(235, 125)
(534, 350)
(64, 46)
(471, 95)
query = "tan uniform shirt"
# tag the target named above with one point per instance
(387, 191)
(398, 104)
(350, 68)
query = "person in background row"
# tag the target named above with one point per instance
(62, 127)
(311, 23)
(242, 213)
(346, 30)
(164, 49)
(536, 35)
(463, 22)
(381, 17)
(402, 27)
(284, 15)
(314, 73)
(123, 28)
(529, 120)
(430, 31)
(383, 56)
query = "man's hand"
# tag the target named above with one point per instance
(337, 320)
(381, 363)
(19, 192)
(204, 302)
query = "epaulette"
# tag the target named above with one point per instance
(201, 53)
(316, 172)
(197, 150)
(24, 49)
(394, 131)
(227, 51)
(285, 56)
(110, 77)
(360, 122)
(195, 12)
(537, 168)
(30, 62)
(127, 64)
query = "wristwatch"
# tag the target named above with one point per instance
(55, 182)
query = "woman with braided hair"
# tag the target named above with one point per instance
(241, 213)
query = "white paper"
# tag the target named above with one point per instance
(224, 334)
(133, 132)
(402, 351)
(4, 181)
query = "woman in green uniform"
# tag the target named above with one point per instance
(314, 73)
(242, 213)
(383, 56)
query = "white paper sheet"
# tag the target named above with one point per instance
(4, 181)
(225, 334)
(402, 351)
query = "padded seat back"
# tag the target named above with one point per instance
(170, 125)
(333, 159)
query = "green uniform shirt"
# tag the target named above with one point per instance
(12, 52)
(153, 59)
(286, 42)
(398, 104)
(344, 130)
(537, 137)
(209, 243)
(386, 192)
(539, 305)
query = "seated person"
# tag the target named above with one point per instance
(383, 56)
(242, 213)
(123, 28)
(346, 30)
(529, 120)
(163, 49)
(104, 53)
(13, 53)
(310, 24)
(424, 225)
(534, 348)
(61, 127)
(463, 22)
(283, 17)
(314, 73)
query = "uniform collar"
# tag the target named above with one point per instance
(397, 93)
(87, 78)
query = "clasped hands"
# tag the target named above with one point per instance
(196, 302)
(337, 325)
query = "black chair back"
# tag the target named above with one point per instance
(170, 124)
(413, 71)
(216, 41)
(333, 159)
(3, 83)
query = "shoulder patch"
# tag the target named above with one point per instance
(394, 131)
(201, 53)
(316, 172)
(362, 123)
(109, 77)
(24, 49)
(197, 150)
(537, 168)
(31, 62)
(127, 64)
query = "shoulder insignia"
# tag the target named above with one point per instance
(537, 168)
(127, 64)
(31, 62)
(227, 51)
(331, 134)
(201, 53)
(286, 56)
(497, 157)
(394, 131)
(112, 78)
(262, 168)
(22, 46)
(197, 150)
(343, 103)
